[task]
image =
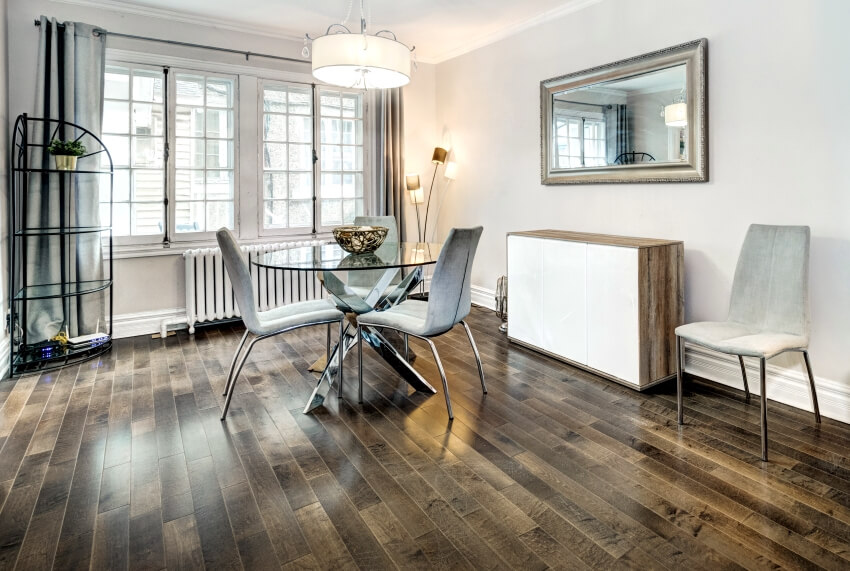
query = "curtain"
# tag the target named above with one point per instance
(388, 170)
(69, 87)
(618, 133)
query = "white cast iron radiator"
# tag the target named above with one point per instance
(209, 295)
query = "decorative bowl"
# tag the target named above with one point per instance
(360, 239)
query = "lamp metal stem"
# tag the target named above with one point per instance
(428, 206)
(418, 224)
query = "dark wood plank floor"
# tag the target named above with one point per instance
(123, 463)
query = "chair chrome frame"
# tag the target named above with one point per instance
(680, 368)
(233, 374)
(406, 335)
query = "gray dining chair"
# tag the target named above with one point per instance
(768, 311)
(449, 302)
(265, 324)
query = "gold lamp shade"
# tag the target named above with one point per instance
(439, 156)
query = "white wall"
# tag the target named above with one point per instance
(777, 139)
(4, 188)
(156, 283)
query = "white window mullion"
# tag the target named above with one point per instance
(171, 115)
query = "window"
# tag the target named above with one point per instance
(203, 153)
(133, 117)
(289, 185)
(580, 139)
(175, 134)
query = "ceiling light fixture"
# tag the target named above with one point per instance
(365, 61)
(676, 113)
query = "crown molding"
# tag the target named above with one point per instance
(184, 17)
(122, 7)
(512, 30)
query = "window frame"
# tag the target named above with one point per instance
(247, 205)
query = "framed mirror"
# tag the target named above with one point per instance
(643, 119)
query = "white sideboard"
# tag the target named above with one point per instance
(608, 304)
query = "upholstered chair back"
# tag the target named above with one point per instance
(240, 278)
(450, 298)
(771, 285)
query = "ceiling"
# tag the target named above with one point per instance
(440, 29)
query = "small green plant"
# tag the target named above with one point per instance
(67, 148)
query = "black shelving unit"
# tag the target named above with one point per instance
(65, 299)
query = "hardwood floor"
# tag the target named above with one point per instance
(123, 463)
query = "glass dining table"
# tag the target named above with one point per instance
(379, 286)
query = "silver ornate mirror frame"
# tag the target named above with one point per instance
(694, 169)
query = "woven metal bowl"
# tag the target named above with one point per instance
(360, 239)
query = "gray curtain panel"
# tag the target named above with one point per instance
(69, 87)
(388, 170)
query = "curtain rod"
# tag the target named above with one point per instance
(102, 32)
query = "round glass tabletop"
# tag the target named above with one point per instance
(330, 257)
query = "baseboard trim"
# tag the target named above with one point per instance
(787, 386)
(147, 322)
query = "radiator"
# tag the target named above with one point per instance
(209, 294)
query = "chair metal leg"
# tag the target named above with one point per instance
(233, 363)
(443, 377)
(812, 386)
(406, 338)
(477, 356)
(339, 355)
(763, 383)
(236, 375)
(744, 374)
(679, 367)
(328, 345)
(359, 364)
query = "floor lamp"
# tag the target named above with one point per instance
(417, 197)
(438, 158)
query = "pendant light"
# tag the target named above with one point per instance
(365, 61)
(676, 114)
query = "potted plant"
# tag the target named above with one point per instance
(66, 153)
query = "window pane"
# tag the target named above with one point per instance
(352, 185)
(274, 100)
(120, 185)
(352, 158)
(219, 185)
(189, 185)
(275, 185)
(331, 158)
(190, 90)
(190, 122)
(331, 185)
(148, 151)
(116, 83)
(275, 213)
(274, 156)
(148, 186)
(147, 119)
(190, 216)
(219, 93)
(219, 214)
(116, 117)
(274, 127)
(219, 123)
(119, 148)
(120, 219)
(301, 129)
(331, 131)
(300, 158)
(352, 132)
(331, 104)
(350, 210)
(147, 85)
(147, 219)
(300, 213)
(219, 154)
(190, 153)
(351, 106)
(331, 212)
(300, 101)
(301, 185)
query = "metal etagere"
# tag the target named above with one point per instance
(47, 221)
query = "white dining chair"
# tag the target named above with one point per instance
(768, 311)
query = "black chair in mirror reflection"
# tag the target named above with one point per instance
(633, 157)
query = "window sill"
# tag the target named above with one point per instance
(127, 251)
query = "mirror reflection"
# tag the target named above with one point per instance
(638, 119)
